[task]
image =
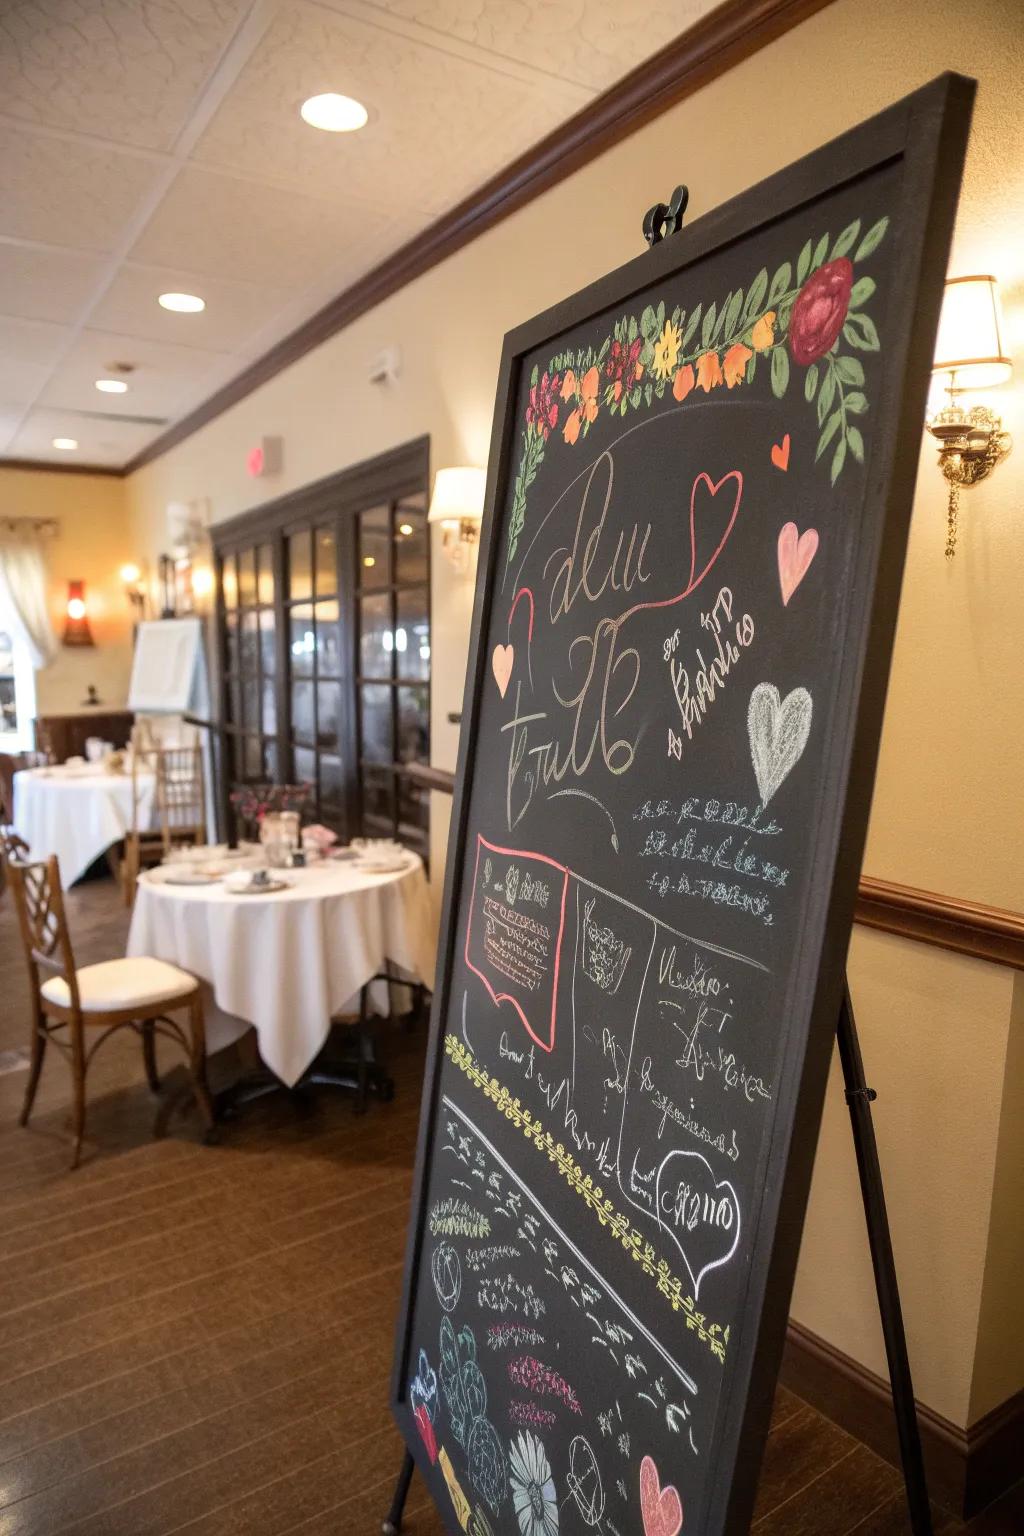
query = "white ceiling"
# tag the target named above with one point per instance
(148, 145)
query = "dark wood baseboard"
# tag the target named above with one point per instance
(967, 1469)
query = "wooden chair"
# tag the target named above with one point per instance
(13, 850)
(180, 805)
(70, 1003)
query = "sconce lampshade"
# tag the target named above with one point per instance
(970, 340)
(458, 494)
(76, 622)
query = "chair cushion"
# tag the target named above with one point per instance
(133, 983)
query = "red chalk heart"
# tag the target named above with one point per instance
(780, 453)
(661, 1508)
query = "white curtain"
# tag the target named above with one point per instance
(23, 591)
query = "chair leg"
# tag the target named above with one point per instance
(78, 1087)
(149, 1055)
(197, 1033)
(38, 1049)
(363, 1068)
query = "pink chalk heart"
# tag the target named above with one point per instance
(662, 1508)
(780, 453)
(501, 665)
(796, 551)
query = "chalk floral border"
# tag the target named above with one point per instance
(797, 317)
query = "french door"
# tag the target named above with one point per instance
(323, 614)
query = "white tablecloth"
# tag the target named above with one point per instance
(284, 962)
(77, 813)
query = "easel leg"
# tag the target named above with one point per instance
(393, 1524)
(859, 1097)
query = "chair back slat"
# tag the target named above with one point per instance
(43, 922)
(180, 797)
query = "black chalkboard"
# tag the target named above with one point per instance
(699, 492)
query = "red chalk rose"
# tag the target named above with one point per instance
(820, 310)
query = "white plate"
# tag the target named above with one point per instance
(173, 875)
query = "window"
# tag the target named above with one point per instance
(17, 689)
(324, 618)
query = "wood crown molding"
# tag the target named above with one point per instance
(47, 467)
(718, 42)
(966, 927)
(967, 1468)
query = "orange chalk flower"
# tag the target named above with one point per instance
(571, 430)
(709, 372)
(683, 382)
(763, 334)
(589, 386)
(585, 391)
(569, 384)
(735, 363)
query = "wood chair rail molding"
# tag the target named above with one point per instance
(730, 34)
(966, 927)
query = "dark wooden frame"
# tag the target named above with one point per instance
(928, 133)
(387, 478)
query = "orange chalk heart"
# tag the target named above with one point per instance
(502, 658)
(780, 453)
(796, 551)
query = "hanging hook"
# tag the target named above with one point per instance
(666, 218)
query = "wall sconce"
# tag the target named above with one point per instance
(134, 589)
(458, 505)
(76, 622)
(970, 350)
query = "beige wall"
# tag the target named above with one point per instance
(948, 811)
(93, 543)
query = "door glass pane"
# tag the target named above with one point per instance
(328, 720)
(374, 548)
(231, 641)
(378, 805)
(303, 639)
(265, 573)
(300, 565)
(303, 719)
(265, 619)
(375, 638)
(376, 723)
(250, 657)
(269, 707)
(229, 582)
(252, 757)
(413, 725)
(247, 576)
(270, 761)
(328, 658)
(332, 782)
(305, 767)
(413, 807)
(326, 563)
(234, 701)
(410, 544)
(412, 634)
(251, 702)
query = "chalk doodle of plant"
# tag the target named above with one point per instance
(465, 1393)
(800, 316)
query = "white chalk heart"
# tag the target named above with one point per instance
(778, 730)
(502, 658)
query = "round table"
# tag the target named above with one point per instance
(77, 813)
(285, 962)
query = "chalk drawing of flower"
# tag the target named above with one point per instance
(533, 1487)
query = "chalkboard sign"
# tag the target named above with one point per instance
(699, 492)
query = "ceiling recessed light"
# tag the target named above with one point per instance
(183, 303)
(334, 113)
(112, 386)
(67, 444)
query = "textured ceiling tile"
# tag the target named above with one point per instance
(45, 285)
(126, 70)
(28, 350)
(591, 42)
(234, 312)
(67, 193)
(218, 226)
(163, 376)
(99, 441)
(439, 124)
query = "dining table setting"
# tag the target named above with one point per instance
(286, 948)
(81, 808)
